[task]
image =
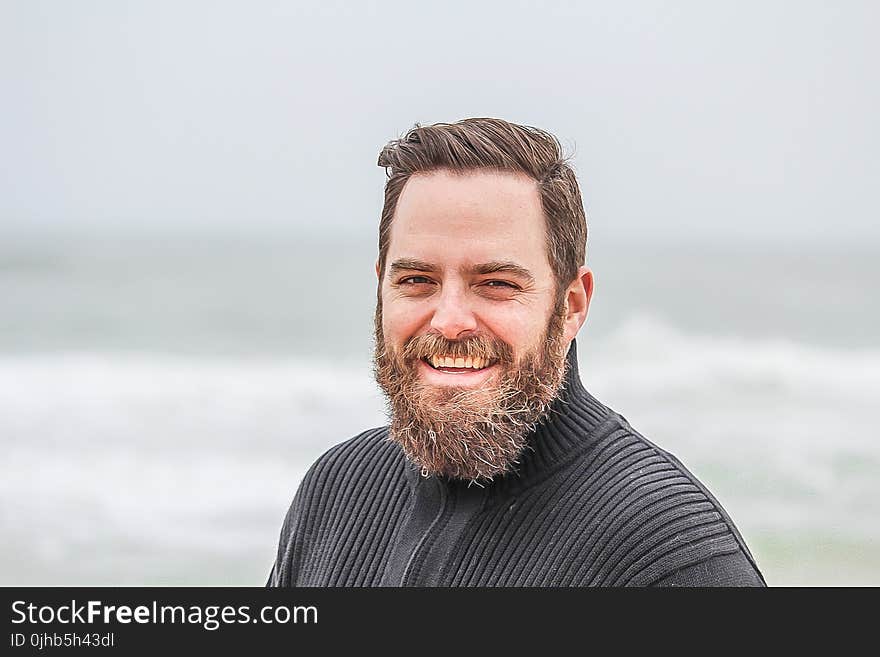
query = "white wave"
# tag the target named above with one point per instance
(649, 354)
(133, 468)
(176, 402)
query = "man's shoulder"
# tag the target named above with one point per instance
(637, 461)
(648, 458)
(358, 454)
(647, 501)
(365, 462)
(368, 441)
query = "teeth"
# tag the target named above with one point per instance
(475, 362)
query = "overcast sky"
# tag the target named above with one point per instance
(689, 120)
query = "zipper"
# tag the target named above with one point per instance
(423, 545)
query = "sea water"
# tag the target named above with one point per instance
(162, 395)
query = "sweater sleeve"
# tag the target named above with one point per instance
(728, 570)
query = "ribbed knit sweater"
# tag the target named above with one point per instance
(591, 503)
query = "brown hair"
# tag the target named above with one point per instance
(484, 143)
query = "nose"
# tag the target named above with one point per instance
(453, 316)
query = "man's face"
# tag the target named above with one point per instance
(470, 344)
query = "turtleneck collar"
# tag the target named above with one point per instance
(569, 425)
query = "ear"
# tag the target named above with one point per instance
(577, 303)
(378, 275)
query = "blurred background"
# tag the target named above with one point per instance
(188, 205)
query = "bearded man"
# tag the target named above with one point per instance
(498, 467)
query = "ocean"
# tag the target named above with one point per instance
(162, 393)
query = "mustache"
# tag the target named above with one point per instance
(477, 346)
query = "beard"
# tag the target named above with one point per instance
(464, 433)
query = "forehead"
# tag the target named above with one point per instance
(477, 216)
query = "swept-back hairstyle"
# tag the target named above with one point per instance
(485, 143)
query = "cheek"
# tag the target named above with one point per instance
(520, 328)
(400, 321)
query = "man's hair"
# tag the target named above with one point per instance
(494, 144)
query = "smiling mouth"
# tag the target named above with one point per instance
(451, 364)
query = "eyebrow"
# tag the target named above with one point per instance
(495, 267)
(409, 264)
(503, 268)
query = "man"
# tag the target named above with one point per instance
(498, 467)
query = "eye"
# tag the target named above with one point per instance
(501, 284)
(414, 280)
